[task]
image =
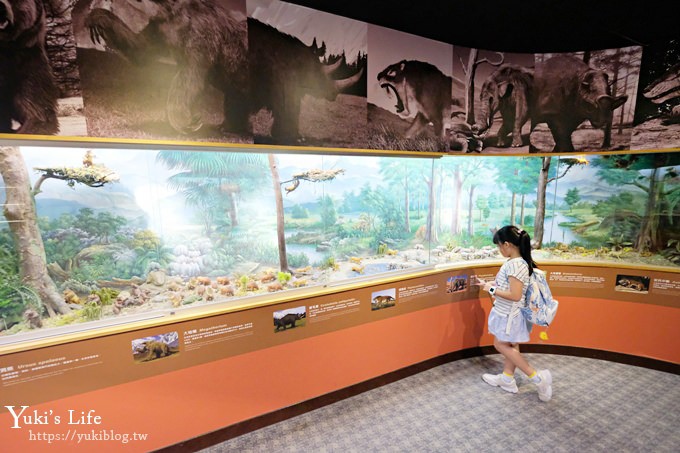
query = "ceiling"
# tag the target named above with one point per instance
(524, 26)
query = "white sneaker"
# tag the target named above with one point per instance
(497, 380)
(545, 386)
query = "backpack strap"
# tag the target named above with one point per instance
(514, 312)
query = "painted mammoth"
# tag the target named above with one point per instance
(568, 92)
(508, 90)
(419, 88)
(213, 53)
(253, 64)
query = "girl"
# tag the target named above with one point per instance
(506, 322)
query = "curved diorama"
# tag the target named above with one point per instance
(102, 234)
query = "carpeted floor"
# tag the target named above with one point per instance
(597, 406)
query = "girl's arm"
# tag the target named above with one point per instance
(513, 294)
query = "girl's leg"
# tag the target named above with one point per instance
(513, 356)
(508, 366)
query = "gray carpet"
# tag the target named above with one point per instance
(597, 406)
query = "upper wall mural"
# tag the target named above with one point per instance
(409, 91)
(265, 71)
(586, 99)
(657, 115)
(494, 92)
(149, 70)
(308, 74)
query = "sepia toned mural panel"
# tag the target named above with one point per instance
(493, 100)
(271, 72)
(409, 91)
(657, 113)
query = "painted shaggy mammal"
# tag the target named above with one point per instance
(287, 320)
(212, 45)
(154, 349)
(28, 93)
(383, 301)
(208, 44)
(419, 88)
(568, 92)
(508, 90)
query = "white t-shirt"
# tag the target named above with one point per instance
(514, 267)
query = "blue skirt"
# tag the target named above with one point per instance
(519, 327)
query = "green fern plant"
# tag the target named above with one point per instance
(672, 252)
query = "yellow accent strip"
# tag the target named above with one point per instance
(137, 143)
(533, 375)
(127, 143)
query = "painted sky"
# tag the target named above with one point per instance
(143, 184)
(338, 32)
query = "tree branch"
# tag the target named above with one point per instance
(462, 63)
(89, 175)
(314, 175)
(486, 60)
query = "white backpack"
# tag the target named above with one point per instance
(540, 306)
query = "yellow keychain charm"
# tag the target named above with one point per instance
(543, 335)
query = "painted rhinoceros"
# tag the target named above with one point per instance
(568, 92)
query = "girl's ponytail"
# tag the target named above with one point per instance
(525, 249)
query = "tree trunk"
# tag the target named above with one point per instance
(457, 193)
(418, 205)
(586, 57)
(233, 209)
(607, 142)
(648, 239)
(20, 213)
(430, 230)
(513, 202)
(278, 196)
(407, 207)
(471, 224)
(470, 85)
(521, 211)
(61, 47)
(623, 107)
(440, 181)
(539, 220)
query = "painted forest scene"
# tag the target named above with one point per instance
(93, 235)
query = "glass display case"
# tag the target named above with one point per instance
(99, 236)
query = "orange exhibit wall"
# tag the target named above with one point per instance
(626, 327)
(178, 405)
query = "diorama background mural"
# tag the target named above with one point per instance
(265, 71)
(90, 234)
